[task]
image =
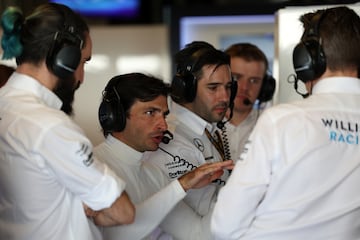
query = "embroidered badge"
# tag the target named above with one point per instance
(199, 144)
(85, 154)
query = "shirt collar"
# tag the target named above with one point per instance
(338, 85)
(29, 84)
(124, 152)
(189, 118)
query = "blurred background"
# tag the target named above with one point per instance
(169, 12)
(143, 35)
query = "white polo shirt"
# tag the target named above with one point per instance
(298, 177)
(47, 170)
(158, 201)
(189, 149)
(238, 135)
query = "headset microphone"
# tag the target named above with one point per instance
(247, 102)
(221, 124)
(167, 137)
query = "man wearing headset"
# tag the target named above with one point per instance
(202, 88)
(47, 172)
(132, 115)
(249, 68)
(297, 179)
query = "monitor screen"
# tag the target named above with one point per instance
(122, 9)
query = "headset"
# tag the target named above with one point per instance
(267, 88)
(184, 83)
(111, 114)
(309, 59)
(64, 55)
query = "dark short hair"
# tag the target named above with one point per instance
(199, 54)
(339, 31)
(133, 87)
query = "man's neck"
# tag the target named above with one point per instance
(40, 73)
(239, 116)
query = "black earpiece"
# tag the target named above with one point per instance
(309, 59)
(184, 87)
(233, 91)
(111, 112)
(267, 88)
(184, 83)
(65, 53)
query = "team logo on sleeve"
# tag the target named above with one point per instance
(86, 154)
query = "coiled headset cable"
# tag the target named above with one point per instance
(226, 143)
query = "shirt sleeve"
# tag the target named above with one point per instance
(238, 200)
(178, 158)
(149, 213)
(66, 153)
(184, 223)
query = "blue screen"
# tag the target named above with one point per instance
(103, 8)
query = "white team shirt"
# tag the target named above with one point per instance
(297, 178)
(238, 135)
(158, 201)
(189, 149)
(46, 168)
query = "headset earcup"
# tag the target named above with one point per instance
(111, 116)
(66, 61)
(267, 88)
(64, 55)
(106, 116)
(309, 60)
(302, 63)
(234, 87)
(178, 88)
(184, 87)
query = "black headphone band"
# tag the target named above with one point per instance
(65, 38)
(65, 52)
(315, 24)
(184, 83)
(309, 59)
(190, 66)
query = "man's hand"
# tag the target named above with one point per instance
(204, 174)
(122, 211)
(89, 212)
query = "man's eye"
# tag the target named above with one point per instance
(254, 80)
